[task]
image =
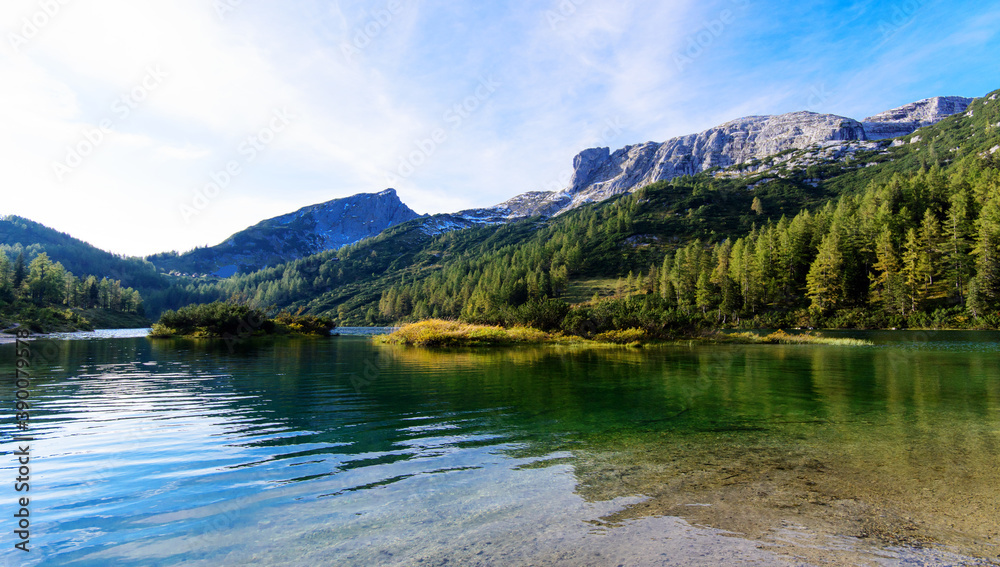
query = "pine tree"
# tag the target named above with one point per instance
(824, 281)
(975, 299)
(886, 283)
(930, 256)
(750, 285)
(765, 265)
(704, 292)
(913, 271)
(958, 264)
(988, 255)
(794, 255)
(729, 299)
(20, 271)
(666, 287)
(6, 279)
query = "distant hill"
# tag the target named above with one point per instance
(18, 233)
(309, 230)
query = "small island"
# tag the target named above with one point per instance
(442, 333)
(227, 320)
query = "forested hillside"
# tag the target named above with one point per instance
(45, 296)
(907, 236)
(19, 234)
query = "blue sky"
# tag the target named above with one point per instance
(144, 126)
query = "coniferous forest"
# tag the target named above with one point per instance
(905, 236)
(44, 295)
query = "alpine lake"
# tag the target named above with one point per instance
(338, 451)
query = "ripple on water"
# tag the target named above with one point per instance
(751, 455)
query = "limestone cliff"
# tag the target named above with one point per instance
(905, 119)
(600, 173)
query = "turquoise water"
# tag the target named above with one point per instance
(338, 451)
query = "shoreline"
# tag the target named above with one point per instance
(6, 338)
(438, 333)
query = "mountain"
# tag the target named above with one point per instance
(309, 230)
(720, 183)
(599, 173)
(908, 118)
(476, 266)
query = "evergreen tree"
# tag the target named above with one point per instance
(45, 281)
(914, 271)
(886, 281)
(987, 252)
(6, 279)
(20, 271)
(704, 292)
(958, 264)
(930, 256)
(825, 278)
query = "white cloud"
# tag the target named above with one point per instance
(562, 81)
(182, 153)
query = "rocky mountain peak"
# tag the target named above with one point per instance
(599, 173)
(907, 118)
(309, 230)
(924, 112)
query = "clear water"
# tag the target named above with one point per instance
(338, 451)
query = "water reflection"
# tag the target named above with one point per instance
(894, 446)
(183, 451)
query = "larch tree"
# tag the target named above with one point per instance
(824, 282)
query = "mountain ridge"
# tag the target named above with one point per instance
(599, 173)
(305, 231)
(902, 188)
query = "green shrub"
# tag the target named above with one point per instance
(220, 319)
(622, 336)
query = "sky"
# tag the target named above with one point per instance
(144, 126)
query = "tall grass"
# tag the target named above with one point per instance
(781, 337)
(437, 332)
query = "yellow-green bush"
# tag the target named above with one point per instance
(622, 336)
(781, 337)
(437, 332)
